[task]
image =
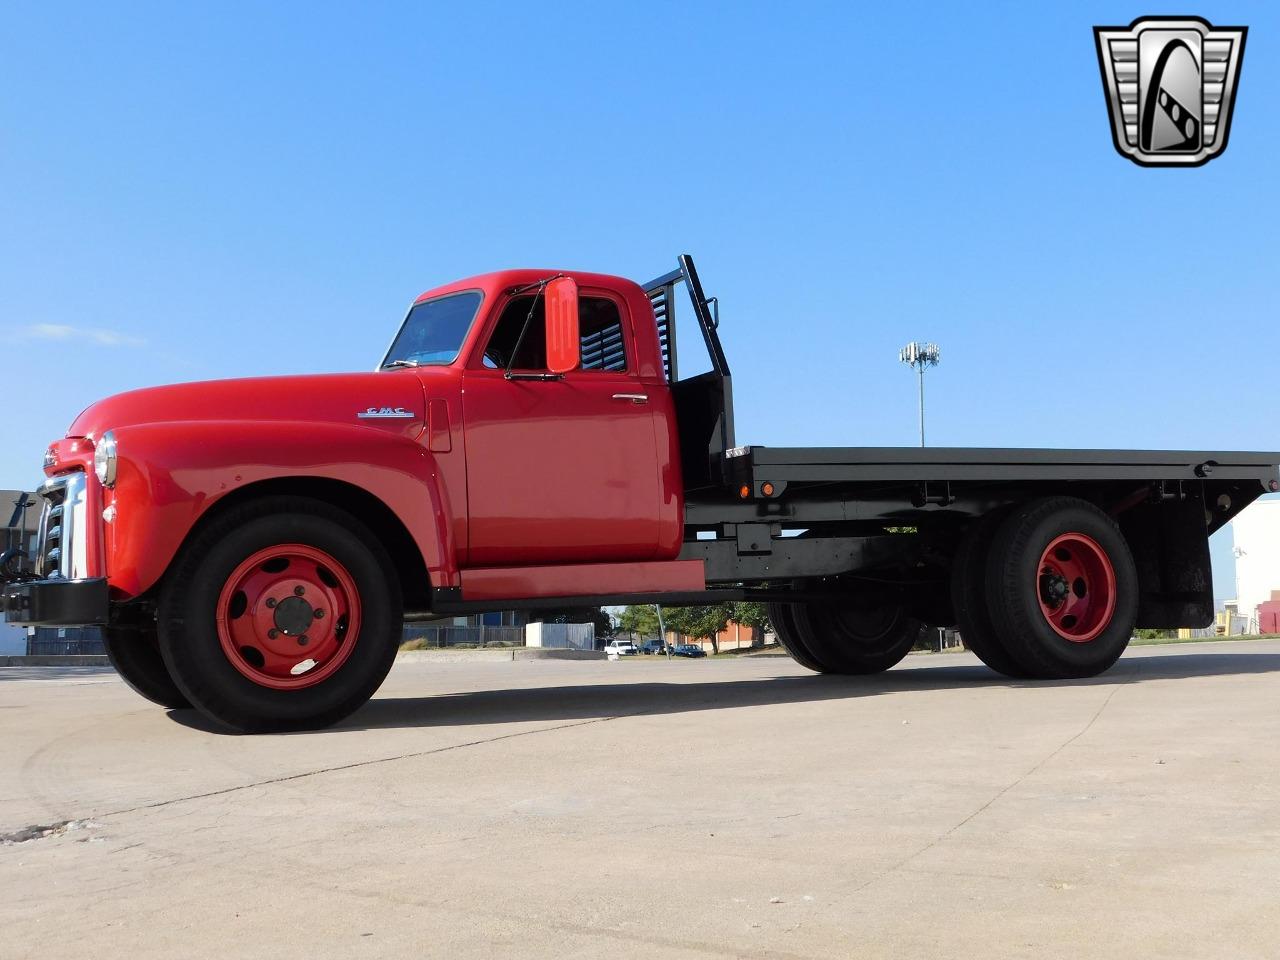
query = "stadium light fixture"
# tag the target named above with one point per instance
(919, 356)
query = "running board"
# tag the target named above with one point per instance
(580, 584)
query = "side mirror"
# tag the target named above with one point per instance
(563, 344)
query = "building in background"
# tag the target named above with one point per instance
(1269, 614)
(735, 636)
(19, 523)
(20, 514)
(1257, 551)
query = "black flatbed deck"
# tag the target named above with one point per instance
(893, 464)
(846, 484)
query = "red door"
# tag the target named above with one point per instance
(559, 470)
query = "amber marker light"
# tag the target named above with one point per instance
(744, 491)
(767, 489)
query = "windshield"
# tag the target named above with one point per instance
(433, 331)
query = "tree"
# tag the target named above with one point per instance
(700, 623)
(639, 618)
(753, 615)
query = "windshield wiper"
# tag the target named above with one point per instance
(400, 363)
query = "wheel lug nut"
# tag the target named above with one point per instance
(271, 602)
(302, 640)
(272, 634)
(299, 590)
(318, 614)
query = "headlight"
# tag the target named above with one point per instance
(104, 459)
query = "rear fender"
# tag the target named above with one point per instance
(169, 475)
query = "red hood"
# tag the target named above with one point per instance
(392, 401)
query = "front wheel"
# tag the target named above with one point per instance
(860, 634)
(284, 614)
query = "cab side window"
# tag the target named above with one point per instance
(599, 326)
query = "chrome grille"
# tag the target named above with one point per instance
(62, 528)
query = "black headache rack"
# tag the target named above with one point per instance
(704, 403)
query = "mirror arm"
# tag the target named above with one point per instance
(515, 351)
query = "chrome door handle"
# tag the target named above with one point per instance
(633, 397)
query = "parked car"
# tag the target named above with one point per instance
(620, 648)
(689, 650)
(653, 647)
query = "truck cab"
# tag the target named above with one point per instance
(573, 465)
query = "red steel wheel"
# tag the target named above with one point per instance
(1061, 588)
(288, 617)
(283, 613)
(1076, 584)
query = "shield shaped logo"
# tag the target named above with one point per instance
(1170, 84)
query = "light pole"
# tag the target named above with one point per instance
(1238, 553)
(919, 356)
(662, 631)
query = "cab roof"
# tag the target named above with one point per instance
(501, 280)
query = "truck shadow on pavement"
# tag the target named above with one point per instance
(639, 698)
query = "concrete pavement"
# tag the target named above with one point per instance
(646, 808)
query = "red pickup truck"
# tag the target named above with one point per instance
(253, 547)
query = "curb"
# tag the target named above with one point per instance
(49, 660)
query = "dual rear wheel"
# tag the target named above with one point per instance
(1045, 590)
(860, 633)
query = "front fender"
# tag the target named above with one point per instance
(169, 475)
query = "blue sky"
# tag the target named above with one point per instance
(203, 191)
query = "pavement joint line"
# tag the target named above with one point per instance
(356, 765)
(377, 760)
(943, 837)
(367, 763)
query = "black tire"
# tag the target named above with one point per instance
(189, 637)
(1015, 585)
(969, 597)
(784, 627)
(135, 653)
(863, 634)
